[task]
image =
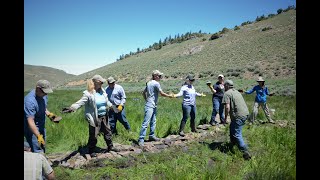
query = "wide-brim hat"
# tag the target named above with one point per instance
(260, 79)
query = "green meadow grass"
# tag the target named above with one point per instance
(273, 148)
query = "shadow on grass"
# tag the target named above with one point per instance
(223, 147)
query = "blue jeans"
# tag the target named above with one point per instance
(189, 109)
(217, 108)
(149, 115)
(236, 133)
(121, 116)
(33, 140)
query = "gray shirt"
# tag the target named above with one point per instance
(116, 96)
(153, 88)
(238, 107)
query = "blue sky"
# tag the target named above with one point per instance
(81, 35)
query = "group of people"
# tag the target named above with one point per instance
(104, 107)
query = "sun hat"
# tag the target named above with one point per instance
(260, 79)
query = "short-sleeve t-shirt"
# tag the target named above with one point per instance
(153, 88)
(35, 107)
(238, 107)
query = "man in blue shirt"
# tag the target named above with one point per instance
(150, 94)
(260, 100)
(117, 97)
(35, 112)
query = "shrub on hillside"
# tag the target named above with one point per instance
(266, 28)
(214, 36)
(236, 28)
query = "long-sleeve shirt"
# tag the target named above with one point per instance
(116, 96)
(189, 95)
(261, 93)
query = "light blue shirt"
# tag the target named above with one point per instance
(189, 94)
(116, 96)
(101, 103)
(153, 88)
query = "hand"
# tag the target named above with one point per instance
(67, 110)
(40, 139)
(51, 116)
(241, 90)
(203, 95)
(208, 83)
(120, 108)
(271, 94)
(171, 95)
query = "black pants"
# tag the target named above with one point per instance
(103, 126)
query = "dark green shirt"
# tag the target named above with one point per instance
(238, 107)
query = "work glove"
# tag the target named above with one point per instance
(120, 108)
(208, 83)
(40, 140)
(67, 110)
(54, 117)
(203, 95)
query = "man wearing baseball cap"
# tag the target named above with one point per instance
(35, 112)
(218, 91)
(237, 108)
(117, 97)
(150, 94)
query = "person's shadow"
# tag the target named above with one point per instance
(223, 147)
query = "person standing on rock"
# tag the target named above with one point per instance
(117, 97)
(188, 104)
(260, 100)
(218, 91)
(96, 104)
(150, 94)
(237, 108)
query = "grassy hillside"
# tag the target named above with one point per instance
(34, 73)
(266, 48)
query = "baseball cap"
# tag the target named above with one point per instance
(220, 75)
(229, 82)
(97, 77)
(157, 72)
(45, 86)
(190, 77)
(111, 80)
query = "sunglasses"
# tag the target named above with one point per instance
(42, 91)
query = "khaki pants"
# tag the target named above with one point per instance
(265, 109)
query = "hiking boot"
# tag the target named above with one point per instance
(141, 144)
(93, 155)
(181, 134)
(272, 122)
(246, 155)
(194, 130)
(153, 138)
(112, 148)
(213, 123)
